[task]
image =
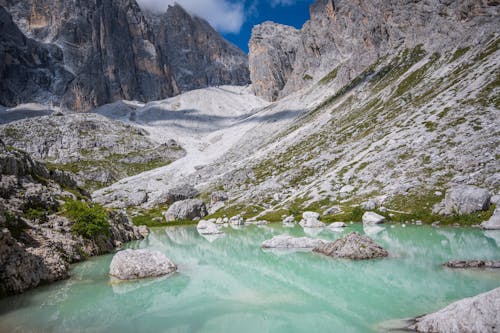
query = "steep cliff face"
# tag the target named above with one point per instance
(106, 45)
(28, 70)
(199, 56)
(349, 36)
(273, 48)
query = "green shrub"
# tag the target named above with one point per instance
(90, 220)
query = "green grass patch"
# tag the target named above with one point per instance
(90, 219)
(459, 53)
(329, 77)
(418, 206)
(307, 77)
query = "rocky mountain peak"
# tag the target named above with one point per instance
(272, 46)
(199, 55)
(351, 35)
(90, 53)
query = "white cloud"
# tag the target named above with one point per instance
(275, 3)
(225, 16)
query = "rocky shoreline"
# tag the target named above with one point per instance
(38, 241)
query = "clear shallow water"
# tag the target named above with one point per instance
(232, 285)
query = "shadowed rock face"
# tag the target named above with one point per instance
(352, 35)
(198, 55)
(107, 46)
(28, 70)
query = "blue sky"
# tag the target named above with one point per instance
(235, 18)
(294, 13)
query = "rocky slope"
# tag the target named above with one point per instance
(97, 150)
(349, 36)
(37, 239)
(415, 122)
(198, 55)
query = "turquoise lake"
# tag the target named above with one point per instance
(232, 285)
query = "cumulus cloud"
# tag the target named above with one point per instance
(224, 15)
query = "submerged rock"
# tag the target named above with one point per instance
(186, 210)
(464, 199)
(372, 218)
(474, 314)
(208, 228)
(289, 242)
(352, 246)
(473, 264)
(138, 264)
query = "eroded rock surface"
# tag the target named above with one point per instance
(464, 199)
(342, 38)
(198, 55)
(186, 210)
(352, 246)
(469, 315)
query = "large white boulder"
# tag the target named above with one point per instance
(289, 242)
(208, 228)
(138, 264)
(494, 222)
(464, 199)
(310, 220)
(372, 218)
(469, 315)
(186, 210)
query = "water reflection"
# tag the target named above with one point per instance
(232, 284)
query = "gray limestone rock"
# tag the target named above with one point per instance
(372, 218)
(273, 48)
(464, 199)
(186, 210)
(208, 228)
(494, 222)
(469, 315)
(310, 220)
(352, 246)
(473, 264)
(106, 47)
(139, 264)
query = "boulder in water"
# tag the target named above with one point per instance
(138, 264)
(352, 246)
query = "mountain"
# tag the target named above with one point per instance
(350, 36)
(106, 45)
(83, 54)
(199, 56)
(387, 107)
